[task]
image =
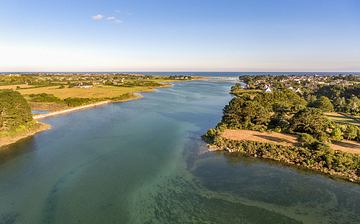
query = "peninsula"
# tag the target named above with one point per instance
(298, 120)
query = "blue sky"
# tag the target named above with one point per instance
(196, 35)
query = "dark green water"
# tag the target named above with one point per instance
(142, 162)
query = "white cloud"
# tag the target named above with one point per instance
(98, 17)
(118, 11)
(111, 17)
(118, 21)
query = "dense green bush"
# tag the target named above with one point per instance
(336, 134)
(306, 138)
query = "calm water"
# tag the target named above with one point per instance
(142, 161)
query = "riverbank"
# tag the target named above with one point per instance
(31, 131)
(10, 140)
(42, 126)
(285, 148)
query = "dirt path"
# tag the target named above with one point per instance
(286, 139)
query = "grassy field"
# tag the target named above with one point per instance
(286, 140)
(98, 91)
(342, 119)
(14, 86)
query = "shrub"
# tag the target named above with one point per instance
(210, 133)
(351, 132)
(306, 138)
(323, 137)
(336, 134)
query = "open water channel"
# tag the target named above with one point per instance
(142, 161)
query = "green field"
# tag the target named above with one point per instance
(342, 119)
(13, 87)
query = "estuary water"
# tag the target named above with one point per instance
(143, 161)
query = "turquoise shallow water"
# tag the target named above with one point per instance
(142, 161)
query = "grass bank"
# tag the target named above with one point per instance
(8, 138)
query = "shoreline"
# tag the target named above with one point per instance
(44, 126)
(337, 176)
(256, 149)
(55, 113)
(11, 140)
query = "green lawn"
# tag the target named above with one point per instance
(342, 119)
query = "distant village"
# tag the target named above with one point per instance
(297, 83)
(80, 80)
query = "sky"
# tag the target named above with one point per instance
(182, 35)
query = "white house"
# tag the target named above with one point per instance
(268, 90)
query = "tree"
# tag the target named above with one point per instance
(331, 91)
(351, 132)
(309, 120)
(14, 110)
(353, 104)
(296, 108)
(244, 114)
(340, 104)
(324, 104)
(281, 109)
(310, 99)
(268, 99)
(336, 134)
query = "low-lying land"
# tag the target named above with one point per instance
(98, 91)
